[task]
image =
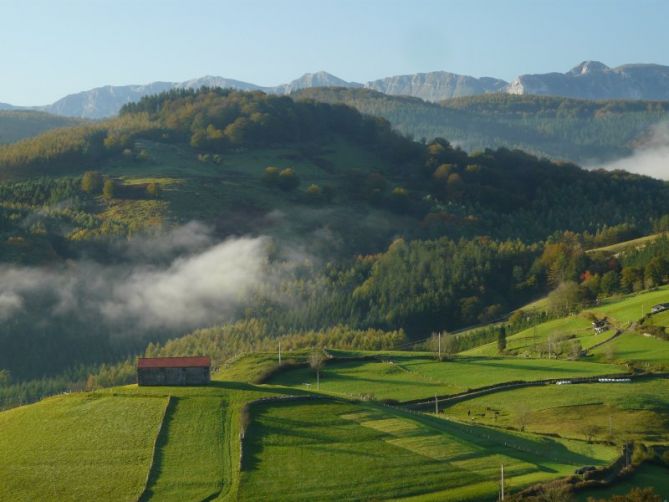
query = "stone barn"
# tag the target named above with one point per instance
(173, 370)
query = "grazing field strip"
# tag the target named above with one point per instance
(189, 456)
(151, 473)
(503, 387)
(79, 447)
(427, 377)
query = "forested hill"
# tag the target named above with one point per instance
(342, 220)
(322, 156)
(555, 127)
(16, 125)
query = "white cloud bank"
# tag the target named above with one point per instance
(652, 159)
(203, 284)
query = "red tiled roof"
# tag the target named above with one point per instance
(174, 362)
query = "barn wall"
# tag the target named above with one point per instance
(173, 376)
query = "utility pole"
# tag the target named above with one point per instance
(501, 488)
(439, 335)
(279, 353)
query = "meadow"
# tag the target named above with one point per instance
(603, 411)
(635, 349)
(529, 340)
(290, 447)
(321, 448)
(334, 450)
(405, 377)
(621, 313)
(633, 307)
(78, 447)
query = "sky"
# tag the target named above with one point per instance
(51, 48)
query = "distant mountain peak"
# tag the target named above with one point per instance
(588, 67)
(588, 80)
(436, 85)
(595, 80)
(317, 79)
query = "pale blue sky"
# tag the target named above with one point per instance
(51, 48)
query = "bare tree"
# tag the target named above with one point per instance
(590, 431)
(523, 415)
(316, 362)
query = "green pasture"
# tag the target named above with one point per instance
(633, 307)
(632, 348)
(405, 376)
(327, 450)
(606, 411)
(529, 340)
(78, 447)
(659, 319)
(190, 460)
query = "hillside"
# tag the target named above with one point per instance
(260, 426)
(379, 404)
(559, 128)
(186, 444)
(322, 208)
(21, 124)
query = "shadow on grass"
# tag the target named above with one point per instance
(532, 450)
(158, 457)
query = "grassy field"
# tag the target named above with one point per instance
(79, 447)
(405, 376)
(624, 246)
(632, 308)
(648, 353)
(197, 454)
(621, 313)
(325, 450)
(660, 319)
(529, 341)
(638, 411)
(189, 462)
(100, 445)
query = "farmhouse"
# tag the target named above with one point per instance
(660, 307)
(600, 325)
(173, 370)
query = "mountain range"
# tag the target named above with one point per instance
(588, 80)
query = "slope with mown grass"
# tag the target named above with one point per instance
(621, 311)
(316, 447)
(605, 411)
(636, 349)
(79, 447)
(331, 450)
(407, 376)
